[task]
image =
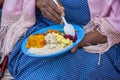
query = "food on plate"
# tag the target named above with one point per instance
(71, 37)
(54, 31)
(36, 41)
(49, 42)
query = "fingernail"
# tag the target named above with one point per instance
(62, 14)
(62, 8)
(61, 22)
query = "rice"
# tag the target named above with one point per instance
(52, 45)
(49, 48)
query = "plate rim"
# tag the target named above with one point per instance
(51, 54)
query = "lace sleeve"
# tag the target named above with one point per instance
(105, 28)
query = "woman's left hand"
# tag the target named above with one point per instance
(93, 38)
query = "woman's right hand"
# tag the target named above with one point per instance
(50, 10)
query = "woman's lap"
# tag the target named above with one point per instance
(78, 65)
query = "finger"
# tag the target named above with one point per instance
(44, 15)
(74, 49)
(59, 2)
(47, 15)
(53, 13)
(61, 7)
(40, 5)
(58, 9)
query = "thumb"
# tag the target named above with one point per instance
(74, 49)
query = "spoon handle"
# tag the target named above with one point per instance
(63, 18)
(56, 2)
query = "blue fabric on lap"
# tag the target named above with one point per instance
(73, 66)
(80, 65)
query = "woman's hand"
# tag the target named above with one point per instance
(50, 10)
(93, 38)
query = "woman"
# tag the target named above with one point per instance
(103, 29)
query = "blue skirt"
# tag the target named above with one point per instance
(79, 65)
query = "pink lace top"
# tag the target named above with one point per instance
(17, 17)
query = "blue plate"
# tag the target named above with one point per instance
(79, 32)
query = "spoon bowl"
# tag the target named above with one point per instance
(68, 28)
